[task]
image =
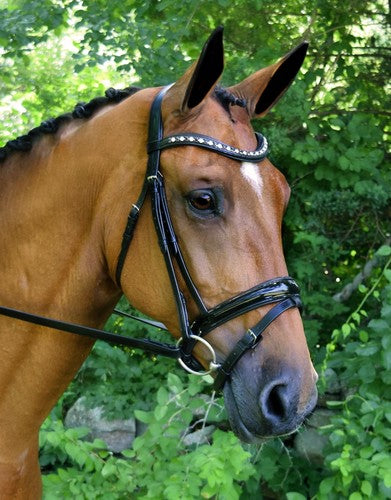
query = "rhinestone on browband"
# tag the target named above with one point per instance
(207, 142)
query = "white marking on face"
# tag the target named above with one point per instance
(250, 172)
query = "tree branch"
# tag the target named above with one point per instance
(336, 111)
(348, 289)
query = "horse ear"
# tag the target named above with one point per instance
(265, 87)
(200, 79)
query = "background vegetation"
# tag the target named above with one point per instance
(329, 136)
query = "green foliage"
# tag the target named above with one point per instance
(329, 137)
(158, 465)
(123, 373)
(25, 23)
(359, 447)
(133, 376)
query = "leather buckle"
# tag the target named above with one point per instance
(254, 337)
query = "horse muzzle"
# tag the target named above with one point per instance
(267, 407)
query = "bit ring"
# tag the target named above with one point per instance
(213, 365)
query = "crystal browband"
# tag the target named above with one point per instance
(204, 141)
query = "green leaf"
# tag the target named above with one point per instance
(367, 350)
(196, 403)
(53, 438)
(208, 379)
(128, 453)
(387, 478)
(346, 329)
(366, 452)
(174, 383)
(363, 336)
(63, 474)
(384, 250)
(143, 416)
(162, 396)
(109, 469)
(387, 274)
(293, 495)
(160, 412)
(326, 486)
(335, 404)
(138, 443)
(366, 488)
(367, 372)
(99, 443)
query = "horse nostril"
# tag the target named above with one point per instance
(276, 404)
(280, 406)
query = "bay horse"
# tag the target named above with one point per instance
(208, 205)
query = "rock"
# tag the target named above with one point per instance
(320, 417)
(309, 444)
(333, 385)
(201, 436)
(118, 434)
(334, 389)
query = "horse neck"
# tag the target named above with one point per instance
(55, 203)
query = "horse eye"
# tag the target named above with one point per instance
(203, 202)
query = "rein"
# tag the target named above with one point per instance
(281, 291)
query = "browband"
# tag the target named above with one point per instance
(206, 142)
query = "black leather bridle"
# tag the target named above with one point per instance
(282, 291)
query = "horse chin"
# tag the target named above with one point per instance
(237, 425)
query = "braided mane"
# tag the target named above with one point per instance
(51, 126)
(86, 110)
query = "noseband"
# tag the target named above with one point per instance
(284, 292)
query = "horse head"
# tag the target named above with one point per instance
(226, 213)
